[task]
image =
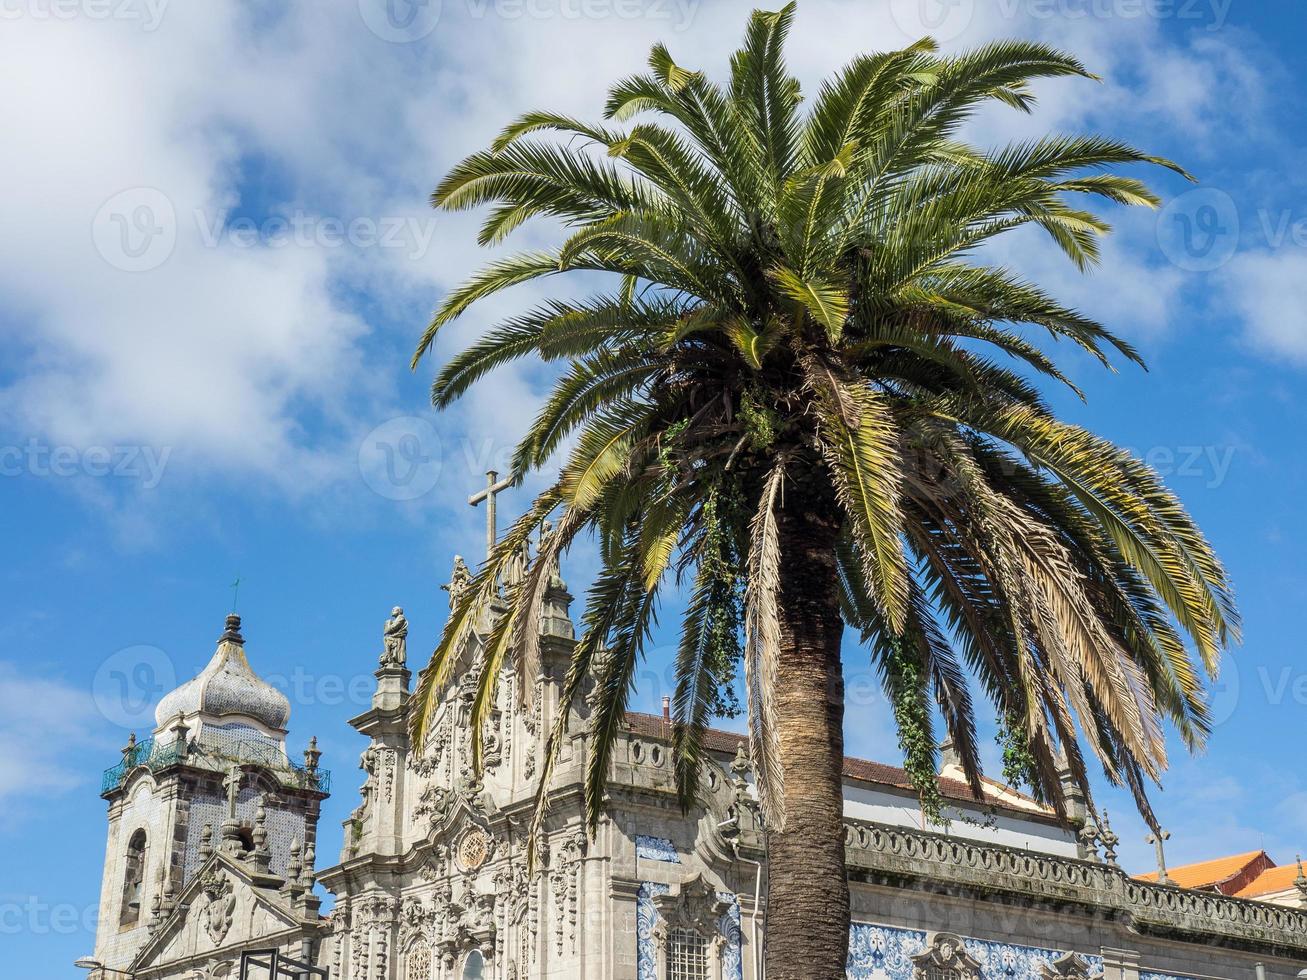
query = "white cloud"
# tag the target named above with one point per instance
(46, 727)
(256, 359)
(1268, 291)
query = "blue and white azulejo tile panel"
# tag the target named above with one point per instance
(646, 920)
(879, 952)
(656, 849)
(882, 952)
(729, 924)
(1004, 961)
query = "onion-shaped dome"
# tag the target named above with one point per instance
(227, 686)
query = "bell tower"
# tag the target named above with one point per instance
(214, 774)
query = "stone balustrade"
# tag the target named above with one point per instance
(988, 868)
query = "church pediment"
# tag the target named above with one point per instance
(220, 908)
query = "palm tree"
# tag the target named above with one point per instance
(798, 401)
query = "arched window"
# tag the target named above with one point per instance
(474, 966)
(133, 879)
(687, 955)
(419, 962)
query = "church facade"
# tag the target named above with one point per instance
(213, 838)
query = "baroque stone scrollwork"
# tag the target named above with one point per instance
(563, 884)
(945, 958)
(492, 743)
(416, 919)
(517, 898)
(468, 924)
(434, 803)
(381, 916)
(221, 970)
(1068, 966)
(340, 923)
(695, 905)
(388, 761)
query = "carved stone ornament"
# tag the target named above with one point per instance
(473, 850)
(220, 906)
(1068, 966)
(694, 905)
(221, 970)
(434, 803)
(945, 959)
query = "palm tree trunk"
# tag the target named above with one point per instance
(808, 892)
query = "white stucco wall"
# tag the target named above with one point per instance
(898, 810)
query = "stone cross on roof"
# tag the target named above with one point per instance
(1157, 840)
(232, 784)
(494, 487)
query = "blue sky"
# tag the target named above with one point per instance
(217, 258)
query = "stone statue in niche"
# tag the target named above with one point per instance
(395, 637)
(518, 564)
(459, 581)
(555, 573)
(368, 763)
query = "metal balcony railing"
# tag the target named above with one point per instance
(216, 754)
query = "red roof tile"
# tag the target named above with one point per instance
(1271, 880)
(1210, 874)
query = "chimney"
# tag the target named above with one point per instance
(667, 710)
(949, 756)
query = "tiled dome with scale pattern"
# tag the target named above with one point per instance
(227, 686)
